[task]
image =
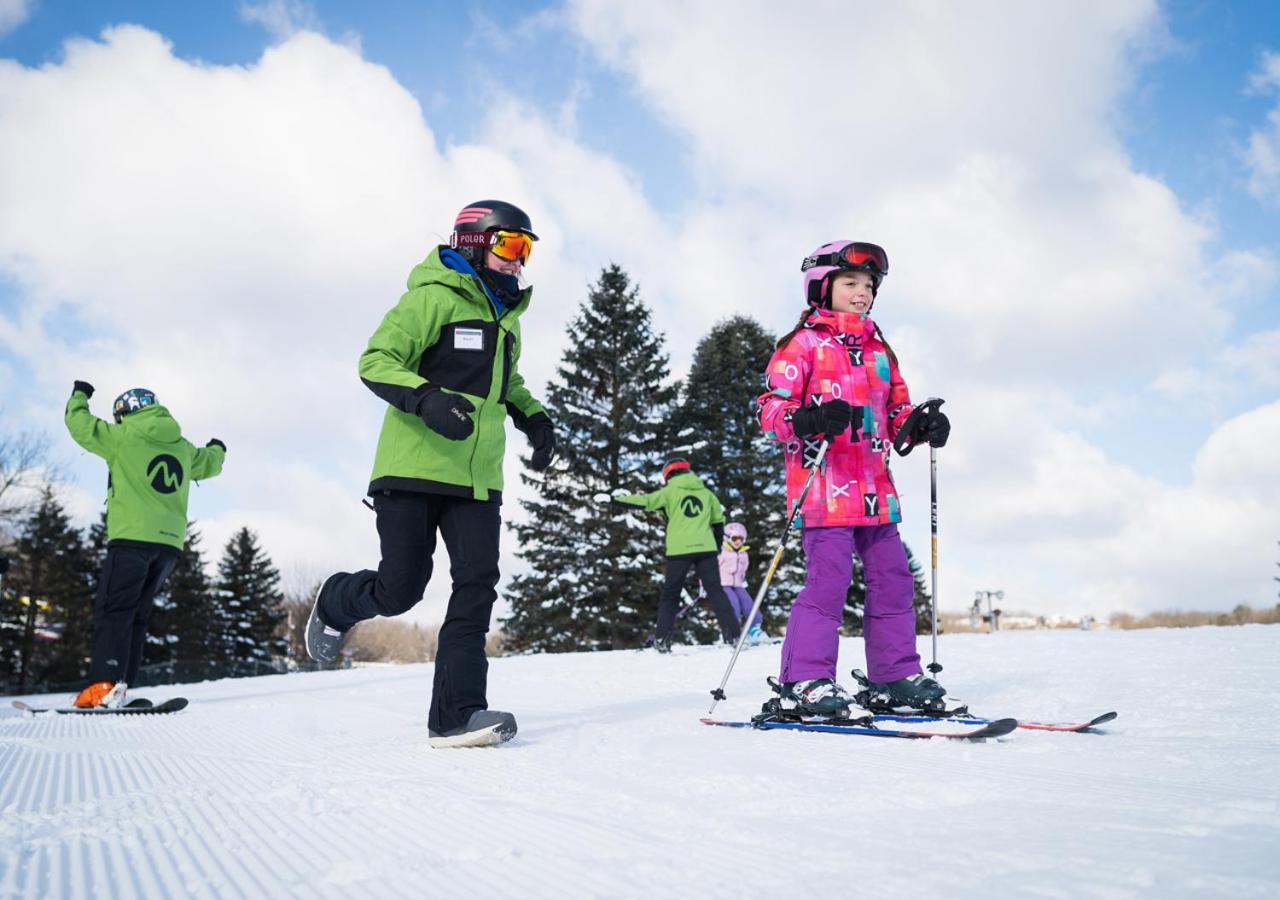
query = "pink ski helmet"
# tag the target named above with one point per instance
(735, 529)
(841, 256)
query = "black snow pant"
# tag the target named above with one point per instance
(407, 525)
(131, 576)
(708, 569)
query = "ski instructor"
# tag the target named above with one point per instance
(444, 360)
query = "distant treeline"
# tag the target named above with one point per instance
(1241, 615)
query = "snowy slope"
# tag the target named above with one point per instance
(323, 785)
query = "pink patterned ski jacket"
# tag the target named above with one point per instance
(837, 356)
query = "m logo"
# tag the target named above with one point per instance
(165, 473)
(870, 505)
(691, 507)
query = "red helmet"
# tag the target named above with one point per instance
(675, 467)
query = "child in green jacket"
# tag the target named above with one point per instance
(695, 530)
(151, 467)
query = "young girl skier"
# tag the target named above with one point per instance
(834, 377)
(734, 562)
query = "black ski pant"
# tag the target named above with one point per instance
(131, 576)
(708, 568)
(407, 526)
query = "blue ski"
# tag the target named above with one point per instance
(997, 728)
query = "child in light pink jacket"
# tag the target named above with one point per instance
(734, 561)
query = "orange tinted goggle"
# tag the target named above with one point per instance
(513, 246)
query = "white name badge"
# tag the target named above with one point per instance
(468, 339)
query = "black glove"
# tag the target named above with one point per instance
(927, 422)
(447, 414)
(830, 418)
(717, 531)
(542, 436)
(214, 442)
(937, 429)
(84, 386)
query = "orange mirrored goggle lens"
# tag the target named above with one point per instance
(513, 246)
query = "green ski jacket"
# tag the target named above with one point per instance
(446, 333)
(150, 468)
(692, 513)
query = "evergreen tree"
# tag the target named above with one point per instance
(51, 583)
(186, 629)
(720, 433)
(252, 603)
(595, 573)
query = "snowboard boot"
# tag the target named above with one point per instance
(662, 645)
(324, 642)
(485, 728)
(101, 694)
(813, 697)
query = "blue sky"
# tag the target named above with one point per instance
(1079, 193)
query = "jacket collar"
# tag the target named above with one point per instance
(850, 327)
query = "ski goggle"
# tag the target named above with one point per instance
(857, 255)
(513, 246)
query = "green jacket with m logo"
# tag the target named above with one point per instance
(151, 467)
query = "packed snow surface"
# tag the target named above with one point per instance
(323, 785)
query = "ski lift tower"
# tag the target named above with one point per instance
(993, 615)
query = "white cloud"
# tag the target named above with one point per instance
(977, 144)
(1263, 153)
(281, 18)
(13, 13)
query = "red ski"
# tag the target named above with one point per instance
(978, 720)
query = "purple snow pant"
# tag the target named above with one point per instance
(889, 621)
(742, 602)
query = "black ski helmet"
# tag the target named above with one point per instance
(476, 220)
(131, 401)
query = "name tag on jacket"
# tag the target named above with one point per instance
(468, 339)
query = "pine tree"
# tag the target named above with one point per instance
(186, 631)
(720, 434)
(50, 580)
(595, 572)
(249, 591)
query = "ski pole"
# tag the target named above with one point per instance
(935, 667)
(904, 445)
(718, 693)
